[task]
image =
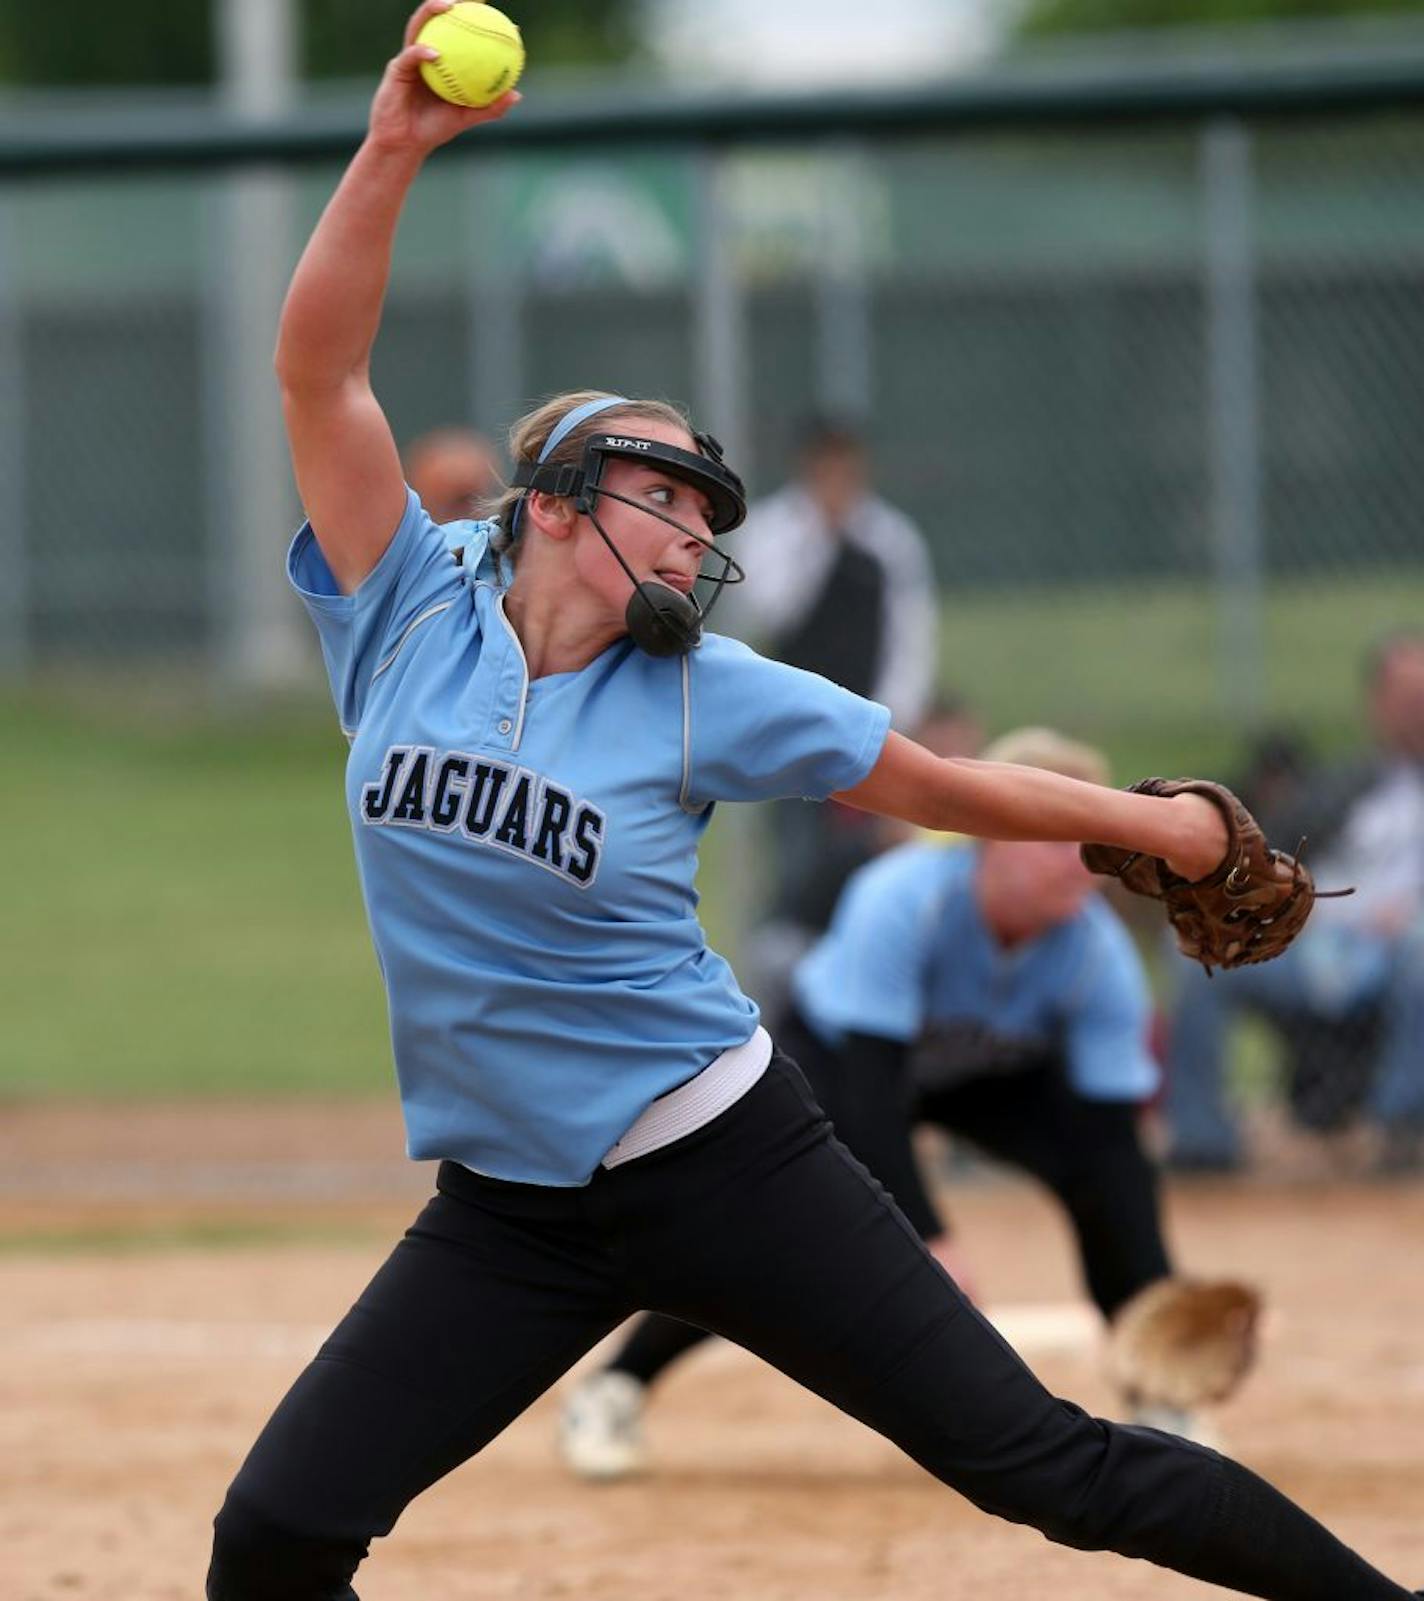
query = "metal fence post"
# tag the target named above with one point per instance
(14, 556)
(495, 355)
(1233, 400)
(721, 405)
(844, 340)
(719, 356)
(260, 640)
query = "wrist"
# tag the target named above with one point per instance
(1201, 837)
(392, 158)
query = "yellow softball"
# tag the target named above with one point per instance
(481, 54)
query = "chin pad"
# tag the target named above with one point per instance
(662, 621)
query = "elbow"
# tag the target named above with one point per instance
(301, 381)
(916, 786)
(285, 368)
(290, 388)
(951, 800)
(304, 365)
(284, 354)
(293, 375)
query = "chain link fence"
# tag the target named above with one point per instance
(1154, 393)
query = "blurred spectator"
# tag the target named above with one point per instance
(1357, 971)
(950, 728)
(1275, 781)
(838, 581)
(452, 470)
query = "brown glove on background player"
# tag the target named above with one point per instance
(1248, 910)
(1183, 1343)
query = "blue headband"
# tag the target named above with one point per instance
(562, 429)
(572, 419)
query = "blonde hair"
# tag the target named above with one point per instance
(1054, 752)
(529, 435)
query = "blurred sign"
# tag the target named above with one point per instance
(592, 224)
(631, 224)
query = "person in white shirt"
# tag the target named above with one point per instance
(840, 582)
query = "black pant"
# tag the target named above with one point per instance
(763, 1228)
(1087, 1153)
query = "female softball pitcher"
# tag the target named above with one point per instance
(535, 749)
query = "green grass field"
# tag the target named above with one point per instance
(183, 911)
(1136, 669)
(181, 908)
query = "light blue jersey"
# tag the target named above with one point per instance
(527, 850)
(908, 952)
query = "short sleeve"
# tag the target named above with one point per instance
(416, 572)
(866, 974)
(1107, 1026)
(760, 730)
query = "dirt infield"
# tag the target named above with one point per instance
(139, 1361)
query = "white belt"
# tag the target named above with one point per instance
(692, 1105)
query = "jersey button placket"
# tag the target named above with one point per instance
(513, 684)
(507, 701)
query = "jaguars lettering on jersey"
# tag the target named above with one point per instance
(491, 802)
(531, 1030)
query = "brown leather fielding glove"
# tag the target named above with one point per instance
(1181, 1343)
(1248, 910)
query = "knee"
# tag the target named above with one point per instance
(1104, 1487)
(256, 1559)
(1076, 1512)
(1050, 1488)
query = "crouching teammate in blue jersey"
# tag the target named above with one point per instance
(535, 749)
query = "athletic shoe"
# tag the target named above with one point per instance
(601, 1431)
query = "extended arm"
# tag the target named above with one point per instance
(996, 800)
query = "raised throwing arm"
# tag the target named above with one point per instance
(347, 465)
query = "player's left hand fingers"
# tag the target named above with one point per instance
(405, 66)
(422, 14)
